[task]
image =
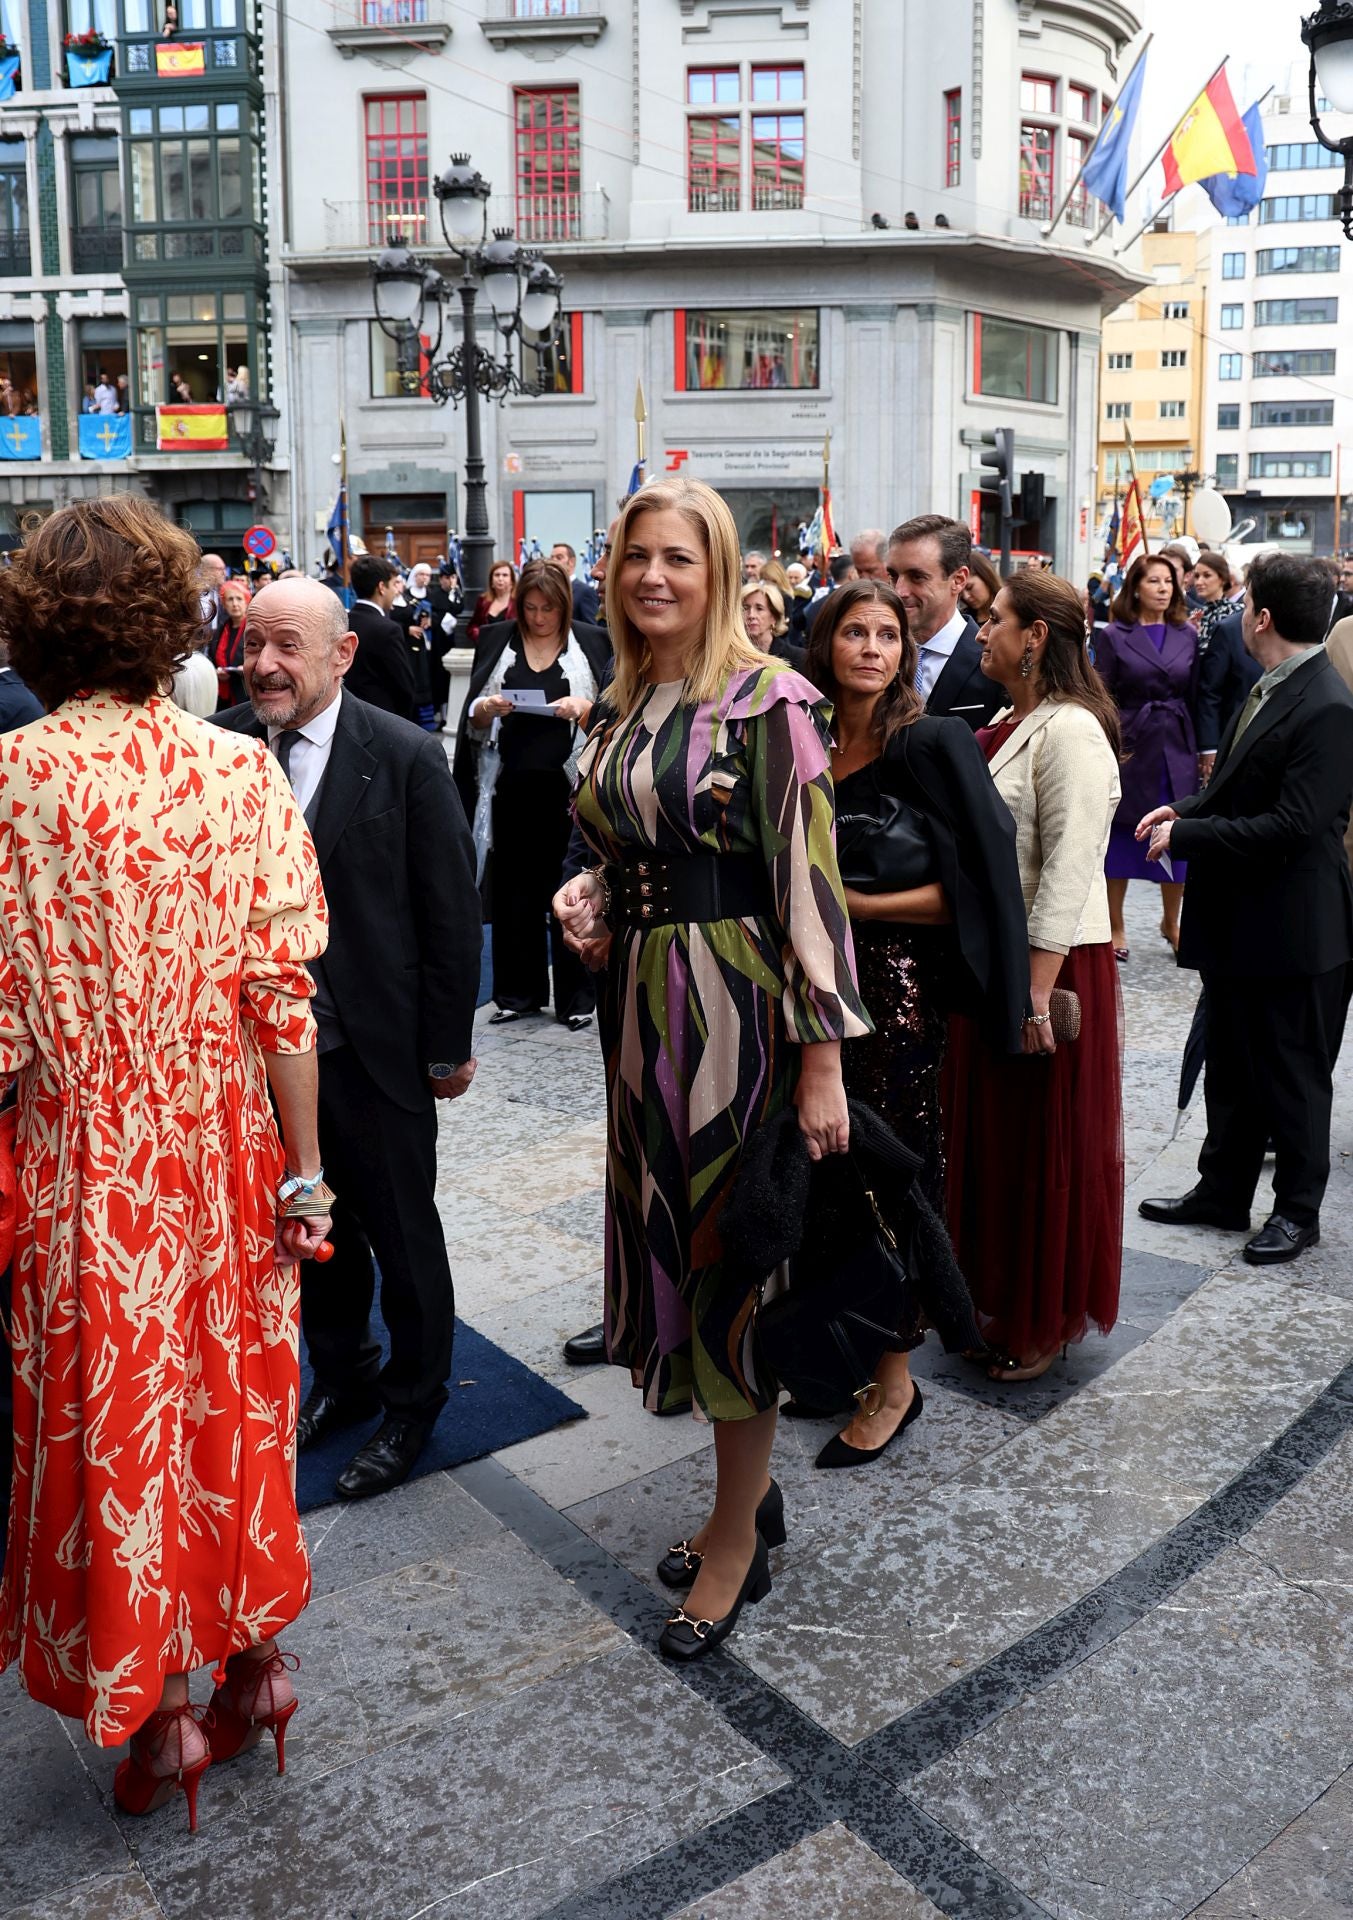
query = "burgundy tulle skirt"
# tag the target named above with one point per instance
(1034, 1178)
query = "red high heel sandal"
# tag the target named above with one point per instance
(147, 1779)
(257, 1697)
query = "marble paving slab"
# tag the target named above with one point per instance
(534, 1328)
(1305, 1874)
(53, 1829)
(617, 1442)
(115, 1896)
(354, 1541)
(831, 1873)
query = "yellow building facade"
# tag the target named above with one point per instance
(1152, 368)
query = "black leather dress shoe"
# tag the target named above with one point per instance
(585, 1349)
(1279, 1240)
(1194, 1209)
(385, 1461)
(325, 1413)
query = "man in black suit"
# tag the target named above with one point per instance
(1226, 673)
(394, 1002)
(584, 596)
(928, 565)
(382, 674)
(1268, 918)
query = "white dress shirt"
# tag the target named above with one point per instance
(310, 753)
(936, 651)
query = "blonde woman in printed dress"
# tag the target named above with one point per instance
(705, 793)
(159, 897)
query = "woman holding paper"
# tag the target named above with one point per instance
(531, 695)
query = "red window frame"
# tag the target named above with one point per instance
(953, 136)
(777, 170)
(573, 361)
(714, 74)
(394, 127)
(1037, 170)
(778, 73)
(1080, 211)
(1048, 80)
(1081, 104)
(548, 162)
(713, 162)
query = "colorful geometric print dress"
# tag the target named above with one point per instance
(700, 1021)
(159, 897)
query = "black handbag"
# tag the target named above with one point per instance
(885, 852)
(846, 1298)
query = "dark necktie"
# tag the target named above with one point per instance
(285, 742)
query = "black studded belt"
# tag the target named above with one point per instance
(657, 890)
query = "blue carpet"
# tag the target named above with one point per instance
(495, 1401)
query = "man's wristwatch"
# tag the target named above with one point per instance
(443, 1070)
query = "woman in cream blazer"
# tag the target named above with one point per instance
(1035, 1142)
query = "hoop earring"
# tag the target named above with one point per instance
(1026, 665)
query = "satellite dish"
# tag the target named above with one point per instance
(1242, 531)
(1211, 516)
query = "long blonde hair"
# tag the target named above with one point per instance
(724, 648)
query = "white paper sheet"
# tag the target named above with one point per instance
(529, 699)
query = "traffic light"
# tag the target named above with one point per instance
(1032, 497)
(998, 453)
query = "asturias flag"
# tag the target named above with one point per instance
(1106, 170)
(105, 436)
(88, 69)
(201, 428)
(1211, 138)
(1132, 539)
(21, 437)
(1233, 194)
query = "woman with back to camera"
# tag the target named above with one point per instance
(705, 792)
(1147, 656)
(1035, 1144)
(499, 602)
(935, 908)
(159, 898)
(527, 760)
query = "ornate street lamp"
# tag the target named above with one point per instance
(524, 297)
(1329, 35)
(255, 427)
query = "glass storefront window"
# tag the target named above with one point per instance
(757, 349)
(1012, 361)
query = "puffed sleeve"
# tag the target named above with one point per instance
(288, 923)
(794, 809)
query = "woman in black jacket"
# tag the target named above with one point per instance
(927, 854)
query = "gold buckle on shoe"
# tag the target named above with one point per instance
(700, 1628)
(862, 1395)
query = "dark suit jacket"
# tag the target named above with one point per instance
(1269, 890)
(586, 600)
(18, 704)
(962, 689)
(398, 870)
(595, 643)
(1225, 675)
(382, 672)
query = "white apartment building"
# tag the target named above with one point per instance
(1279, 416)
(783, 216)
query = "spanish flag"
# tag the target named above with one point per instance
(203, 429)
(180, 57)
(1210, 139)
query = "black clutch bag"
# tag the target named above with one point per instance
(845, 1301)
(884, 852)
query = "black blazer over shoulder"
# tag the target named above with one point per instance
(937, 767)
(382, 671)
(489, 649)
(1225, 675)
(963, 690)
(398, 869)
(1269, 890)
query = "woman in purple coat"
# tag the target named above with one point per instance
(1147, 656)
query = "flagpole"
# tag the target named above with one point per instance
(826, 493)
(1171, 198)
(344, 529)
(1091, 149)
(640, 422)
(1156, 155)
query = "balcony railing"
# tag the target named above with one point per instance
(15, 257)
(545, 9)
(1035, 206)
(714, 200)
(1081, 212)
(99, 252)
(394, 13)
(540, 220)
(780, 196)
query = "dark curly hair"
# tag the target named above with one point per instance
(102, 594)
(899, 703)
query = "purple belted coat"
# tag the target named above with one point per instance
(1155, 694)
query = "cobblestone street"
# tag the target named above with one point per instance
(1081, 1648)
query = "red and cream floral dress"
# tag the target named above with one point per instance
(159, 897)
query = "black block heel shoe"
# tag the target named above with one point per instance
(837, 1452)
(680, 1564)
(686, 1639)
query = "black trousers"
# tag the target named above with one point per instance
(530, 838)
(381, 1161)
(1271, 1049)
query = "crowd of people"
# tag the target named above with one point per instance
(840, 849)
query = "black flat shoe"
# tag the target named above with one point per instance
(505, 1016)
(385, 1461)
(680, 1564)
(837, 1453)
(585, 1349)
(324, 1413)
(1279, 1239)
(1194, 1209)
(577, 1021)
(686, 1639)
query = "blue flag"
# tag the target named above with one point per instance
(636, 478)
(21, 438)
(105, 436)
(89, 69)
(337, 530)
(8, 73)
(1234, 196)
(1106, 171)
